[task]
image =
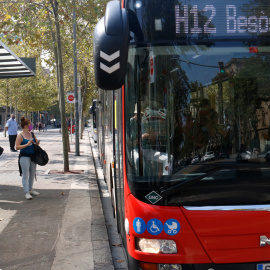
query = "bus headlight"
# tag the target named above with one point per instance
(156, 246)
(168, 247)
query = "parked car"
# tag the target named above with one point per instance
(267, 156)
(243, 156)
(196, 159)
(208, 156)
(221, 154)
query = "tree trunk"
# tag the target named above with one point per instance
(61, 87)
(57, 72)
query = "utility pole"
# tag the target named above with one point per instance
(77, 149)
(79, 104)
(220, 93)
(220, 102)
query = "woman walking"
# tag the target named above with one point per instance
(25, 143)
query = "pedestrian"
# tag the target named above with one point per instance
(39, 127)
(12, 129)
(25, 143)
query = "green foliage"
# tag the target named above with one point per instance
(29, 27)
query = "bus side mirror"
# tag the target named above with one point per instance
(111, 40)
(91, 110)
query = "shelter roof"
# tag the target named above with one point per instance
(11, 66)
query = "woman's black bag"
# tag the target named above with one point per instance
(1, 150)
(41, 156)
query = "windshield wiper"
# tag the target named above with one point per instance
(165, 192)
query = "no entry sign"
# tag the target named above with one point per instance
(70, 97)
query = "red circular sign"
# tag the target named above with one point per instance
(151, 65)
(70, 97)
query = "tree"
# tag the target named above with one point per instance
(47, 26)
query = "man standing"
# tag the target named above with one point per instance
(12, 132)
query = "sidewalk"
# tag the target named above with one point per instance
(63, 227)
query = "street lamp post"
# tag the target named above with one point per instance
(77, 150)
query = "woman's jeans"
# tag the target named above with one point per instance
(28, 173)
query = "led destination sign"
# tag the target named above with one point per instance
(163, 20)
(217, 19)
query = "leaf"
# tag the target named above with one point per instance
(8, 16)
(120, 261)
(117, 245)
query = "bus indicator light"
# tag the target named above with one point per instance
(139, 225)
(127, 226)
(138, 4)
(154, 226)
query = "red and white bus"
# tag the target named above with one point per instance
(184, 130)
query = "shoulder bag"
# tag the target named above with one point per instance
(41, 157)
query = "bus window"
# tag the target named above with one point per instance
(193, 117)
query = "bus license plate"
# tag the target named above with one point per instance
(263, 266)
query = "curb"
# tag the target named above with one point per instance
(116, 246)
(101, 248)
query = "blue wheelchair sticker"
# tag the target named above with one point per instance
(172, 227)
(139, 225)
(154, 226)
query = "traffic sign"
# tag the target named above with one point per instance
(70, 97)
(152, 67)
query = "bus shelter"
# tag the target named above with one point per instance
(11, 66)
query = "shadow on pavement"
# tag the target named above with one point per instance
(29, 228)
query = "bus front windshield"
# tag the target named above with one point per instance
(197, 123)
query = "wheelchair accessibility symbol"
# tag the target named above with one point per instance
(172, 227)
(154, 226)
